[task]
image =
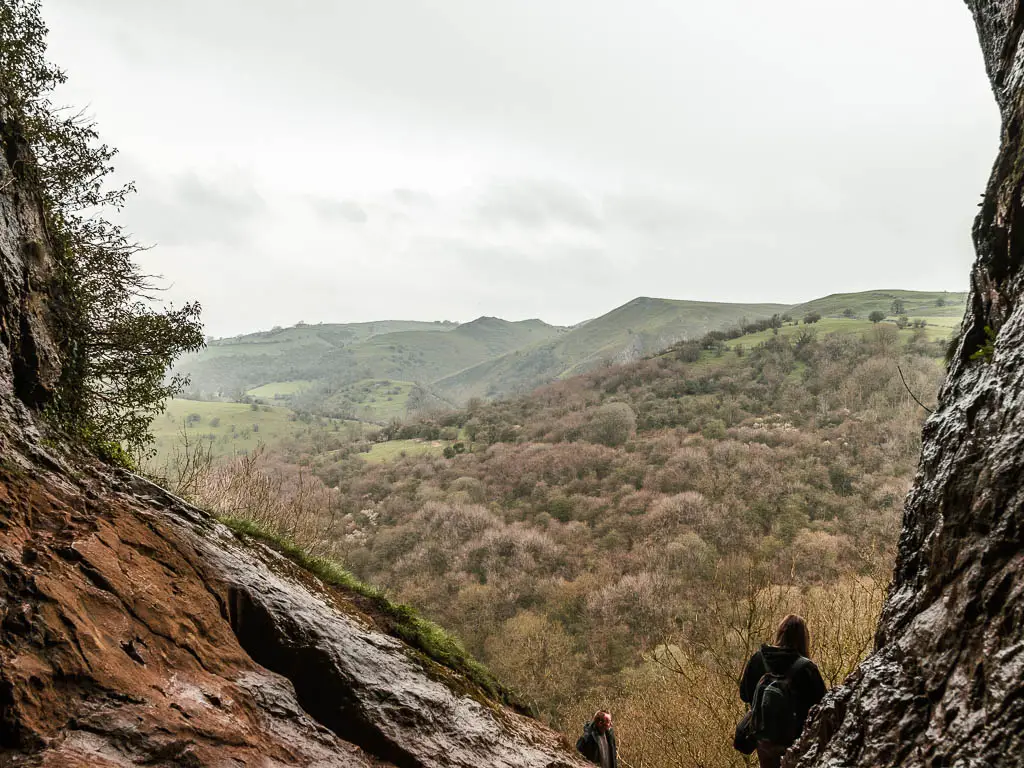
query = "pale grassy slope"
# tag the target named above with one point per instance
(916, 303)
(642, 326)
(401, 350)
(490, 357)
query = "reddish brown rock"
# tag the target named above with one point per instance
(135, 630)
(114, 649)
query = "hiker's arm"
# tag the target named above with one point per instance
(811, 687)
(817, 685)
(751, 674)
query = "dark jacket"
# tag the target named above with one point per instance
(807, 686)
(587, 745)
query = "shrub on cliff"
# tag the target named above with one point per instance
(117, 345)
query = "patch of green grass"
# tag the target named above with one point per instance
(840, 325)
(396, 449)
(399, 620)
(915, 303)
(229, 429)
(373, 400)
(948, 321)
(280, 389)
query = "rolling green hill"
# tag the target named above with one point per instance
(267, 364)
(424, 356)
(643, 326)
(384, 370)
(915, 304)
(232, 366)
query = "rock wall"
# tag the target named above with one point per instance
(945, 686)
(135, 630)
(30, 357)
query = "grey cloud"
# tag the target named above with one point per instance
(331, 210)
(189, 210)
(228, 198)
(661, 216)
(413, 198)
(536, 204)
(571, 265)
(722, 151)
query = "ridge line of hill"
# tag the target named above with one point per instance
(378, 371)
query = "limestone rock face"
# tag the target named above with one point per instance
(945, 686)
(29, 354)
(135, 630)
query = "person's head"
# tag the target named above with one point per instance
(792, 633)
(602, 720)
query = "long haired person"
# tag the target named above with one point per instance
(781, 684)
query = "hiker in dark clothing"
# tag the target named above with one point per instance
(597, 743)
(786, 660)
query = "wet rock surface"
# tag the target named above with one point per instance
(945, 686)
(31, 364)
(135, 630)
(114, 647)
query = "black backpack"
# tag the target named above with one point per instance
(774, 708)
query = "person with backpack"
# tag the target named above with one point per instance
(781, 685)
(597, 743)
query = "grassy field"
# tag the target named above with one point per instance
(951, 322)
(396, 449)
(937, 329)
(373, 400)
(230, 428)
(915, 303)
(280, 389)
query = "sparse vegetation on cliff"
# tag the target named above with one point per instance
(402, 621)
(117, 344)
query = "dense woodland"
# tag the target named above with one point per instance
(625, 538)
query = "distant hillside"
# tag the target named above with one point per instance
(915, 304)
(324, 358)
(385, 370)
(234, 365)
(424, 356)
(642, 326)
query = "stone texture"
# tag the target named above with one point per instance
(114, 650)
(945, 686)
(136, 630)
(31, 363)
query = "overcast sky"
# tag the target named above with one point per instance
(351, 160)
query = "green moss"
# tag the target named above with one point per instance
(397, 619)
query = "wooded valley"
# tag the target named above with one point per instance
(625, 537)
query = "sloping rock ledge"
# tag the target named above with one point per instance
(136, 630)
